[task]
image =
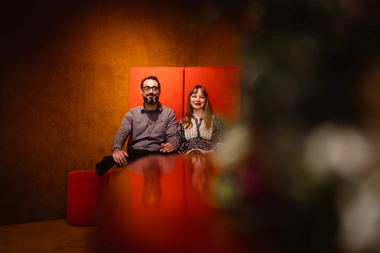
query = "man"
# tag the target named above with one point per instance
(150, 129)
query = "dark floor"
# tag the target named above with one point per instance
(45, 236)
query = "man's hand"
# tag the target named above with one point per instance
(167, 147)
(120, 157)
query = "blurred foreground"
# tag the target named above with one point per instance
(301, 172)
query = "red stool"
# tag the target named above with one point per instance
(84, 191)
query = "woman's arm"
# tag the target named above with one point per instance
(180, 136)
(217, 131)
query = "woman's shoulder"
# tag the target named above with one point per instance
(216, 118)
(217, 123)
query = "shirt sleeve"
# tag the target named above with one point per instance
(217, 131)
(171, 130)
(123, 132)
(180, 132)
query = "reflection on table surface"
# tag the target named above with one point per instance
(170, 203)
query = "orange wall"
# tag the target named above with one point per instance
(64, 80)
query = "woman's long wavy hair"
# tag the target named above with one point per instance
(207, 109)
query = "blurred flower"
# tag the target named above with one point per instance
(309, 135)
(237, 141)
(360, 215)
(341, 150)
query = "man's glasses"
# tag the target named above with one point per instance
(153, 88)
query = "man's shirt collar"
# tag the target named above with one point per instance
(159, 108)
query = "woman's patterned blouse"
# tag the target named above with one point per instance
(199, 138)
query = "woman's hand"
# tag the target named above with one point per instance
(193, 150)
(202, 151)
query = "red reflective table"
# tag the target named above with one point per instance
(171, 203)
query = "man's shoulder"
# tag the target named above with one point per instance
(218, 119)
(132, 112)
(167, 109)
(137, 108)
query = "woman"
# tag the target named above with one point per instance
(200, 130)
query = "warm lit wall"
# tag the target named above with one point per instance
(64, 76)
(218, 44)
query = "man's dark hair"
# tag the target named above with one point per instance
(152, 78)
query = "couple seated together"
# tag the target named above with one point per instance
(152, 128)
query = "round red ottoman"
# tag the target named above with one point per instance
(84, 192)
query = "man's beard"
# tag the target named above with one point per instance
(151, 101)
